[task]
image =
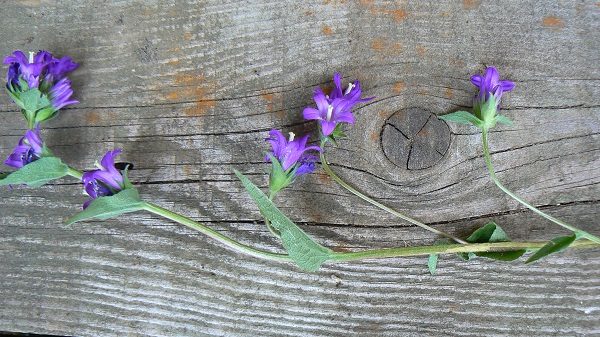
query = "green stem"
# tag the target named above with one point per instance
(488, 160)
(74, 173)
(214, 234)
(383, 207)
(448, 249)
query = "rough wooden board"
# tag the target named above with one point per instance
(189, 90)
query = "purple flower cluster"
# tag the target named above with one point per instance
(105, 181)
(490, 85)
(335, 108)
(29, 149)
(42, 71)
(291, 153)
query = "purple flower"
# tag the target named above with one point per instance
(290, 153)
(335, 108)
(490, 84)
(31, 69)
(105, 181)
(29, 149)
(60, 94)
(44, 72)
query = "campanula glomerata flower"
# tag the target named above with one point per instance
(291, 159)
(44, 73)
(29, 149)
(335, 108)
(105, 181)
(487, 102)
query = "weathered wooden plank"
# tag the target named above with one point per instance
(189, 90)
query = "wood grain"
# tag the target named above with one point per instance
(189, 90)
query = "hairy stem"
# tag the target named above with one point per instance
(215, 235)
(383, 207)
(488, 160)
(74, 173)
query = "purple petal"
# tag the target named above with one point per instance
(327, 127)
(506, 85)
(477, 80)
(311, 113)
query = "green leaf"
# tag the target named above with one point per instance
(433, 258)
(37, 173)
(463, 117)
(553, 246)
(491, 233)
(126, 201)
(34, 100)
(308, 254)
(504, 120)
(432, 263)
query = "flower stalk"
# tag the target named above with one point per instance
(488, 160)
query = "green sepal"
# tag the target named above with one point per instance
(14, 94)
(125, 201)
(491, 233)
(488, 111)
(336, 134)
(37, 173)
(463, 117)
(278, 178)
(46, 113)
(308, 254)
(553, 246)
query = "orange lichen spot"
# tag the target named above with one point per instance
(94, 117)
(445, 14)
(187, 35)
(423, 92)
(173, 95)
(378, 44)
(421, 51)
(382, 113)
(327, 30)
(471, 4)
(269, 98)
(176, 49)
(308, 12)
(457, 62)
(173, 62)
(448, 93)
(553, 23)
(373, 137)
(366, 2)
(382, 45)
(187, 169)
(396, 14)
(334, 2)
(398, 87)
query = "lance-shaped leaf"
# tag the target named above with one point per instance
(126, 201)
(308, 254)
(553, 246)
(37, 173)
(463, 117)
(491, 233)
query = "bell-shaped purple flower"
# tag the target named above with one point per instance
(105, 181)
(44, 73)
(335, 108)
(29, 149)
(490, 84)
(292, 152)
(32, 69)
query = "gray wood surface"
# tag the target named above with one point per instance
(189, 90)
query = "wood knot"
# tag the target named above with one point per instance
(415, 139)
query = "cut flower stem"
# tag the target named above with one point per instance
(383, 207)
(579, 232)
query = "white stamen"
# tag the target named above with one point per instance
(350, 87)
(329, 112)
(31, 57)
(292, 135)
